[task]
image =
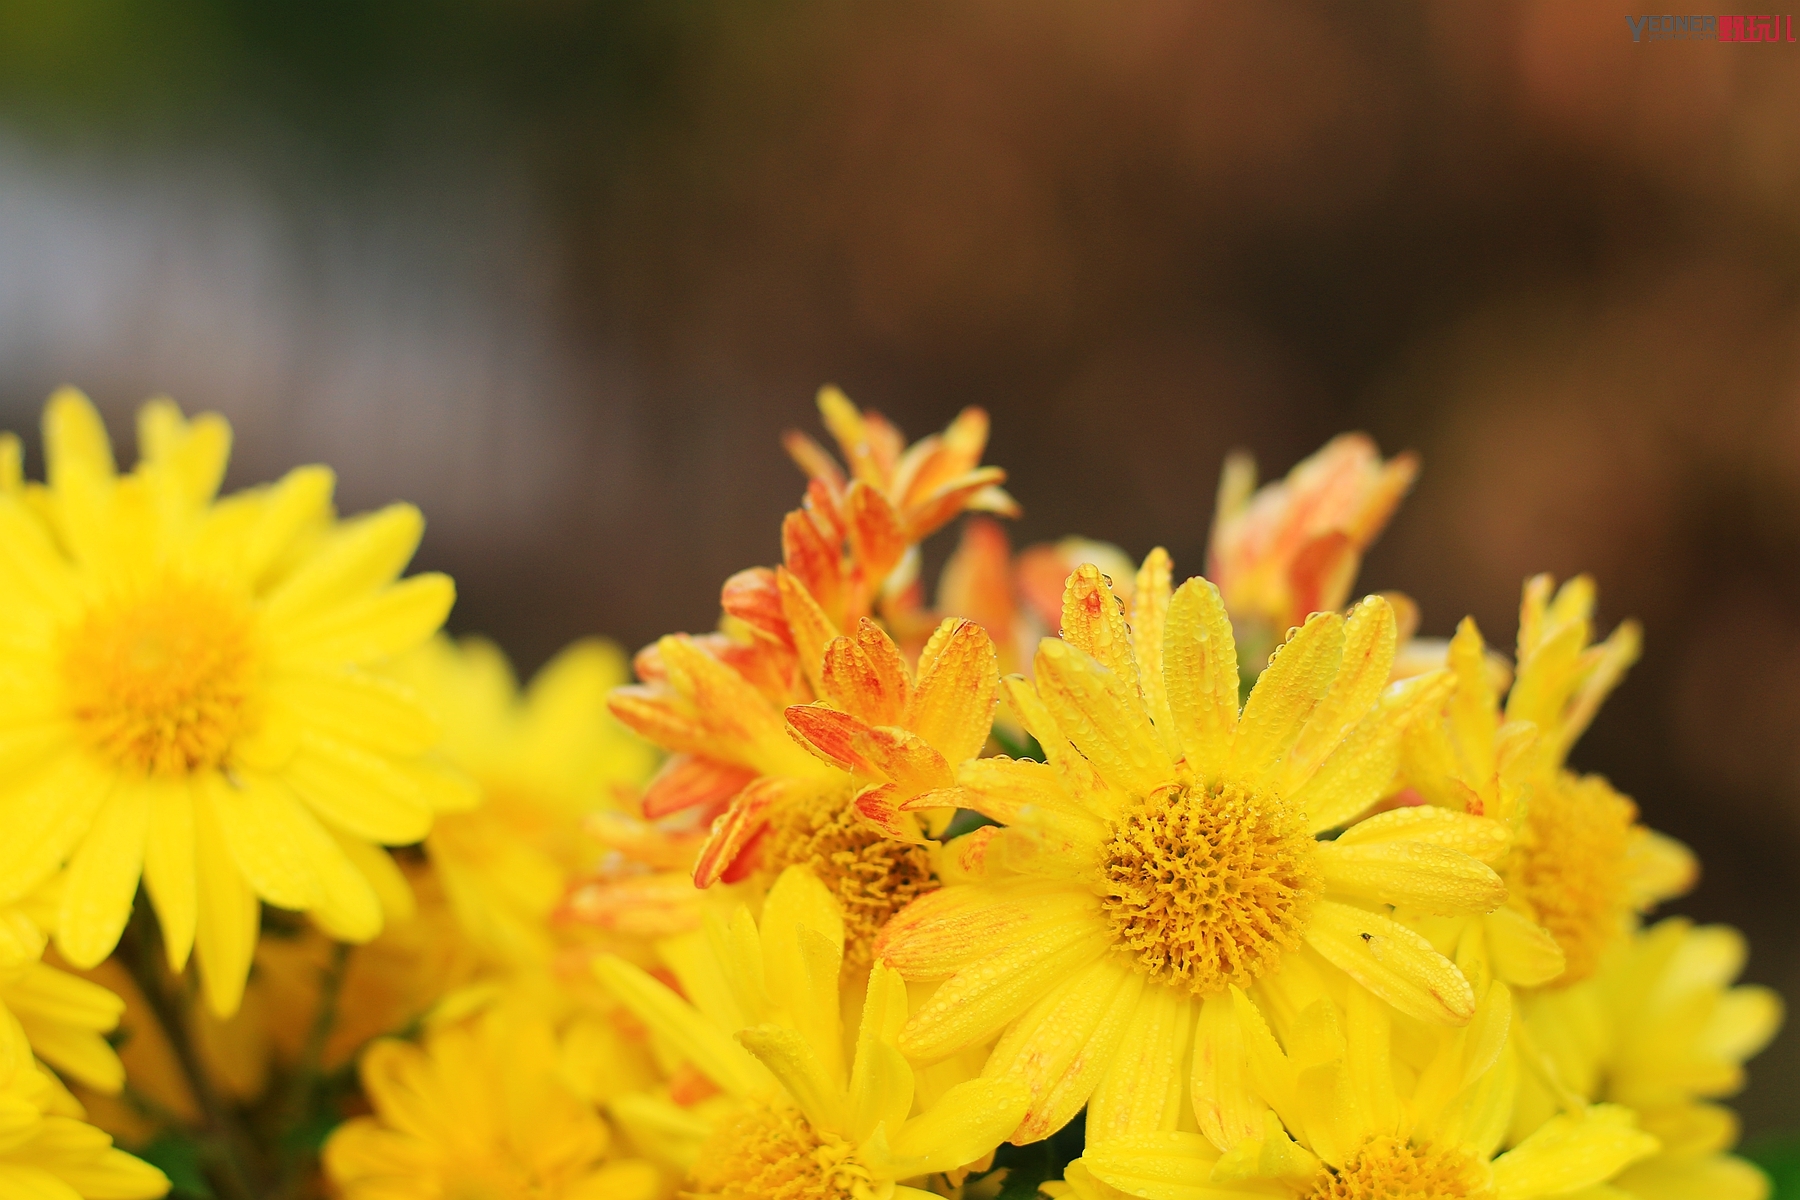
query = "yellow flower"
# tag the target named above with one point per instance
(1660, 1029)
(1169, 852)
(478, 1112)
(1294, 547)
(545, 759)
(46, 1150)
(189, 699)
(64, 1017)
(1370, 1125)
(1580, 867)
(800, 1119)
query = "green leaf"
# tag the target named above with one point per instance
(1779, 1157)
(178, 1157)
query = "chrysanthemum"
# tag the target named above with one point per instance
(1660, 1029)
(478, 1111)
(1580, 866)
(1170, 851)
(799, 1119)
(545, 758)
(803, 632)
(1368, 1125)
(1294, 546)
(188, 696)
(46, 1150)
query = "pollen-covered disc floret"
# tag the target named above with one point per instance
(1573, 866)
(776, 1154)
(158, 681)
(872, 876)
(1209, 886)
(1389, 1169)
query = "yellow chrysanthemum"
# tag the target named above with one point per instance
(1580, 866)
(65, 1018)
(545, 760)
(478, 1112)
(47, 1152)
(1170, 852)
(1660, 1029)
(801, 1118)
(189, 697)
(1368, 1124)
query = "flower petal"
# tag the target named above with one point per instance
(1392, 961)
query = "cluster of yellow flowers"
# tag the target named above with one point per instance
(1224, 888)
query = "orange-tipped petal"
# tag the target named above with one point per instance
(877, 540)
(959, 689)
(878, 806)
(1093, 620)
(813, 560)
(736, 828)
(977, 580)
(812, 627)
(754, 598)
(644, 906)
(813, 459)
(938, 509)
(881, 752)
(692, 781)
(865, 676)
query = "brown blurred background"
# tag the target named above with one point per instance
(561, 273)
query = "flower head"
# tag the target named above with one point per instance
(799, 1118)
(1294, 546)
(1168, 855)
(191, 699)
(479, 1111)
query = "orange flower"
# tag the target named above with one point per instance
(799, 729)
(1293, 547)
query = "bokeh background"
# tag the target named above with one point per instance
(562, 272)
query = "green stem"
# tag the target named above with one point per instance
(233, 1151)
(303, 1088)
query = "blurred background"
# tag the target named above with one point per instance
(562, 272)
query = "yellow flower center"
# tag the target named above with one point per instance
(769, 1154)
(158, 682)
(1390, 1169)
(1572, 866)
(872, 876)
(1210, 886)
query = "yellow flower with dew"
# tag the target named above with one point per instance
(1580, 866)
(805, 1114)
(191, 700)
(1169, 853)
(478, 1112)
(1660, 1029)
(1293, 547)
(47, 1151)
(1370, 1124)
(545, 758)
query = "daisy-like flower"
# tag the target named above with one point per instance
(1368, 1125)
(798, 1118)
(801, 633)
(47, 1150)
(546, 759)
(1169, 852)
(189, 699)
(1660, 1029)
(478, 1111)
(1294, 546)
(1580, 867)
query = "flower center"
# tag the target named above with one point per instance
(158, 682)
(1389, 1169)
(1573, 865)
(770, 1154)
(1210, 886)
(872, 877)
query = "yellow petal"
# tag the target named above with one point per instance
(262, 825)
(1200, 675)
(1159, 1166)
(370, 629)
(44, 819)
(225, 935)
(362, 555)
(380, 714)
(790, 1059)
(1298, 677)
(299, 501)
(1149, 627)
(714, 1054)
(967, 1121)
(1568, 1152)
(1093, 621)
(959, 679)
(169, 868)
(359, 791)
(1392, 961)
(1368, 656)
(1227, 1107)
(1063, 1044)
(1079, 777)
(1415, 875)
(1360, 770)
(1523, 953)
(1141, 1088)
(1104, 717)
(881, 1081)
(75, 441)
(103, 877)
(1482, 838)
